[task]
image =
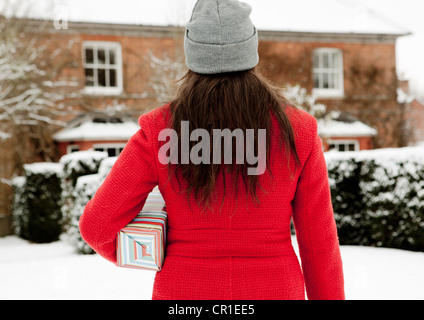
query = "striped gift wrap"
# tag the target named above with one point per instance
(141, 244)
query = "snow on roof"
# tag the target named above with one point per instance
(334, 128)
(328, 16)
(404, 97)
(98, 127)
(90, 131)
(332, 16)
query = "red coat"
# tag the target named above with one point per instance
(243, 251)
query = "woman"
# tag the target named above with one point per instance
(228, 231)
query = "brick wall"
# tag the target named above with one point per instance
(370, 80)
(137, 94)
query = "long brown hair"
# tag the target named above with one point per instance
(227, 101)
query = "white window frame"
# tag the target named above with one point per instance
(334, 72)
(107, 45)
(106, 146)
(346, 143)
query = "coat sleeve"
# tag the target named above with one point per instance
(122, 195)
(316, 231)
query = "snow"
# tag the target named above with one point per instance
(4, 135)
(381, 156)
(345, 16)
(333, 128)
(91, 180)
(54, 271)
(404, 97)
(106, 166)
(90, 158)
(90, 131)
(333, 16)
(44, 168)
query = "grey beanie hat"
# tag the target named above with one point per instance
(220, 37)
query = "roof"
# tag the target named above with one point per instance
(98, 127)
(330, 128)
(324, 16)
(404, 97)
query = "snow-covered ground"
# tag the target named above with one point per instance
(54, 271)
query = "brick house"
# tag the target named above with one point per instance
(350, 71)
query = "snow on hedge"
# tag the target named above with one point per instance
(75, 165)
(378, 197)
(82, 160)
(380, 155)
(44, 168)
(85, 189)
(36, 207)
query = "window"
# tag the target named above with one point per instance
(103, 67)
(72, 148)
(112, 149)
(328, 72)
(343, 145)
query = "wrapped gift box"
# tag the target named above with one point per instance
(141, 244)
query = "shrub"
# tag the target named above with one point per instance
(396, 204)
(85, 188)
(75, 165)
(37, 203)
(348, 201)
(106, 167)
(19, 208)
(378, 197)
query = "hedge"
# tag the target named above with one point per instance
(37, 203)
(19, 207)
(85, 188)
(378, 197)
(75, 165)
